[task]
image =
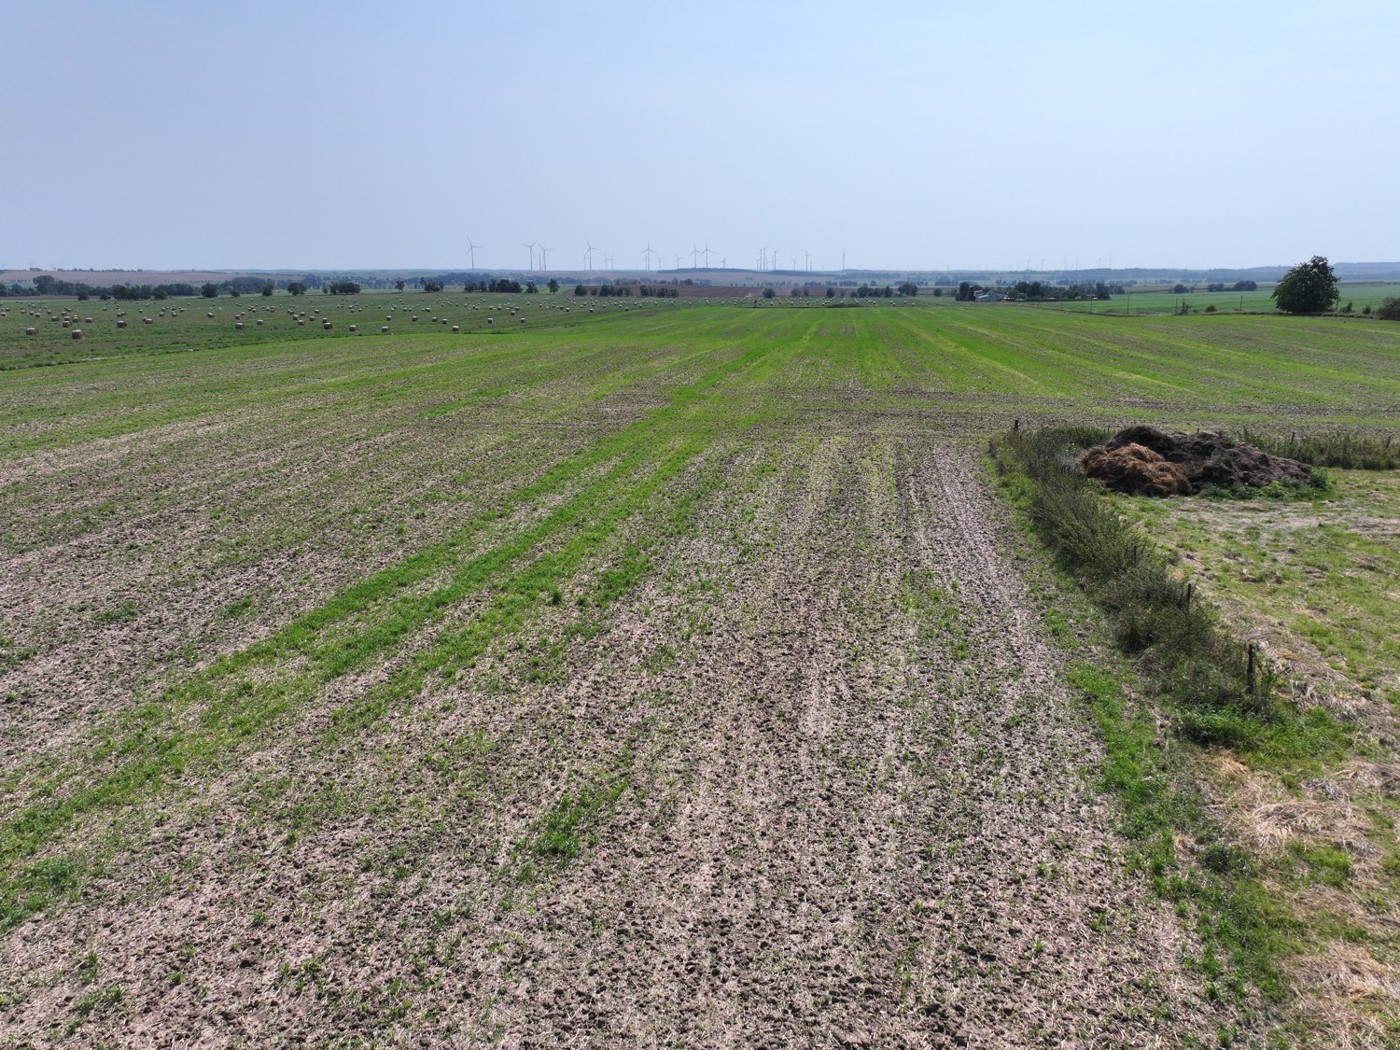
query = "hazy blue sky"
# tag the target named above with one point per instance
(350, 134)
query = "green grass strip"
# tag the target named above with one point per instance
(159, 746)
(1201, 676)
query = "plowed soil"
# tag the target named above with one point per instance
(673, 683)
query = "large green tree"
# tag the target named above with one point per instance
(1308, 288)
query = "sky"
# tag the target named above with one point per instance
(920, 135)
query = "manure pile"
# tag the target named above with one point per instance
(1143, 460)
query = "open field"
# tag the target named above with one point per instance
(671, 676)
(1360, 294)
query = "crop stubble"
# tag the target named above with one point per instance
(753, 740)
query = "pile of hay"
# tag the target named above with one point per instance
(1146, 461)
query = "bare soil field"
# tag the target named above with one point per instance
(670, 677)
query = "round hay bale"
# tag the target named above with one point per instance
(456, 328)
(121, 323)
(354, 328)
(384, 329)
(31, 331)
(77, 333)
(237, 324)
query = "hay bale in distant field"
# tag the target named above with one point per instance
(77, 333)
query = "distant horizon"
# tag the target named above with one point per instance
(11, 274)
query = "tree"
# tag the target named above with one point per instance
(553, 285)
(1308, 288)
(296, 288)
(1389, 310)
(267, 289)
(209, 290)
(768, 293)
(398, 286)
(580, 290)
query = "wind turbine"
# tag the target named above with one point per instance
(694, 256)
(706, 253)
(647, 253)
(588, 255)
(531, 246)
(544, 258)
(471, 250)
(775, 259)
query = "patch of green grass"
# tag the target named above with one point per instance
(236, 610)
(561, 833)
(92, 1002)
(126, 612)
(1233, 912)
(12, 654)
(1325, 570)
(1321, 863)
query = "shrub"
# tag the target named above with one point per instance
(1342, 450)
(1389, 310)
(1218, 685)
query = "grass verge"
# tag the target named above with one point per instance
(1215, 690)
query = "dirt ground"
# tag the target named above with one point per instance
(675, 680)
(831, 792)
